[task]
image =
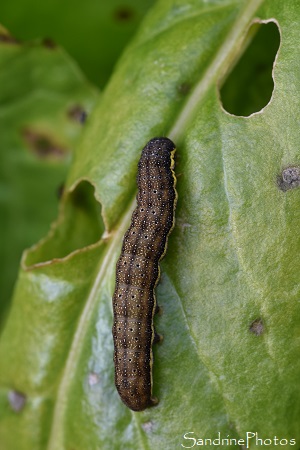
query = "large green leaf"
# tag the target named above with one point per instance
(229, 362)
(42, 94)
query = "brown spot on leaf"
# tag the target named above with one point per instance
(16, 400)
(6, 38)
(77, 113)
(49, 43)
(43, 146)
(60, 190)
(184, 88)
(257, 327)
(124, 14)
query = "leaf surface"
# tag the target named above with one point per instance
(229, 362)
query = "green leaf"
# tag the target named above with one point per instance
(94, 32)
(229, 362)
(42, 94)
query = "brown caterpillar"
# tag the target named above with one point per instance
(144, 245)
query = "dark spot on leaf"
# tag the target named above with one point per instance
(16, 400)
(6, 38)
(257, 327)
(60, 190)
(49, 43)
(289, 178)
(43, 146)
(77, 113)
(124, 14)
(184, 88)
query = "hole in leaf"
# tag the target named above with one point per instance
(79, 225)
(249, 86)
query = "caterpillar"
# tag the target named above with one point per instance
(137, 274)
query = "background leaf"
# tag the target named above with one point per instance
(94, 32)
(230, 292)
(42, 98)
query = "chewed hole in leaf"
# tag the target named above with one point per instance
(79, 225)
(249, 86)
